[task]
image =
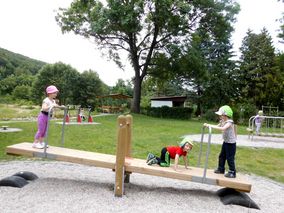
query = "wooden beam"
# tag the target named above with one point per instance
(128, 152)
(194, 174)
(120, 155)
(64, 154)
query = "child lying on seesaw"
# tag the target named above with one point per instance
(171, 152)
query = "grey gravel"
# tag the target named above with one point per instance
(66, 187)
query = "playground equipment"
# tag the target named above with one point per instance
(271, 126)
(81, 117)
(123, 164)
(19, 179)
(270, 110)
(90, 118)
(7, 129)
(48, 124)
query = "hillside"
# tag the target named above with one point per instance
(10, 62)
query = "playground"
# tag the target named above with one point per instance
(153, 186)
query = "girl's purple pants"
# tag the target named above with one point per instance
(41, 125)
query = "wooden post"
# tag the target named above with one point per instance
(128, 152)
(120, 156)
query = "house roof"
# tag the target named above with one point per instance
(115, 96)
(170, 98)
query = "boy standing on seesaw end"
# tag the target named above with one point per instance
(171, 152)
(228, 150)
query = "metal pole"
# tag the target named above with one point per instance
(200, 150)
(63, 125)
(207, 154)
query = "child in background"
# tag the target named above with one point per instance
(228, 150)
(81, 114)
(49, 101)
(171, 152)
(258, 121)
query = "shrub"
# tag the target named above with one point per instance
(245, 111)
(169, 112)
(236, 115)
(210, 115)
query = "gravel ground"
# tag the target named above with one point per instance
(66, 187)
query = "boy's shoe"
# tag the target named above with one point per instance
(230, 174)
(218, 171)
(149, 157)
(152, 161)
(38, 145)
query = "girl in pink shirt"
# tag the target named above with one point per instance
(47, 103)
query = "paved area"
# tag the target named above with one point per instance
(243, 140)
(77, 123)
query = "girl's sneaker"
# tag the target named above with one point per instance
(38, 145)
(43, 144)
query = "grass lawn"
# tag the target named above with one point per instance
(149, 135)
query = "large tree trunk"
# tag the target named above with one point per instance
(135, 106)
(198, 111)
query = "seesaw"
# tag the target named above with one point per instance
(123, 164)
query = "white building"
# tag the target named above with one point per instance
(170, 101)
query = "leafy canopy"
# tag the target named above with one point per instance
(145, 28)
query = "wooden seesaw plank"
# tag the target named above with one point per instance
(194, 174)
(64, 154)
(131, 165)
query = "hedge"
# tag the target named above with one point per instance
(183, 113)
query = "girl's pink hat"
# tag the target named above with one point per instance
(51, 89)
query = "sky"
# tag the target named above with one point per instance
(29, 28)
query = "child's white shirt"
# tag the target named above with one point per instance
(48, 102)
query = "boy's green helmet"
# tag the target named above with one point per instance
(225, 110)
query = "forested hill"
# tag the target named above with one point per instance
(13, 63)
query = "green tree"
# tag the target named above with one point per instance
(222, 81)
(281, 31)
(143, 28)
(261, 78)
(280, 65)
(22, 92)
(122, 87)
(89, 86)
(204, 66)
(8, 84)
(63, 76)
(17, 74)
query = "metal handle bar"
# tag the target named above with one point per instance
(47, 127)
(207, 152)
